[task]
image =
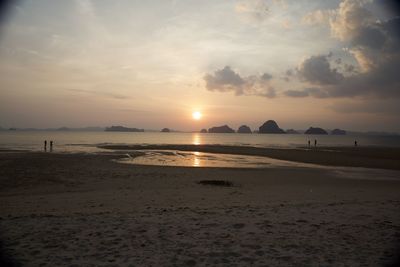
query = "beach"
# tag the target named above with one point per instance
(87, 209)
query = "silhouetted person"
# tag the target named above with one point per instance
(355, 143)
(51, 146)
(309, 143)
(45, 145)
(315, 142)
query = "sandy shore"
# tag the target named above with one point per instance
(369, 157)
(87, 210)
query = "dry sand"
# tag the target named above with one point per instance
(87, 210)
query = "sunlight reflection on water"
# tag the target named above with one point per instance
(196, 139)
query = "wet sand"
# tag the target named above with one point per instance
(88, 210)
(369, 157)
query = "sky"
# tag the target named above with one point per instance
(151, 64)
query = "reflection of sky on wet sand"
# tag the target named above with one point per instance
(196, 159)
(201, 159)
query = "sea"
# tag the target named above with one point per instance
(81, 141)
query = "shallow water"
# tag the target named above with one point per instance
(76, 141)
(201, 159)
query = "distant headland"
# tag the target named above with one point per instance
(122, 129)
(268, 127)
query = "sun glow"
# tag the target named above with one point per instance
(196, 115)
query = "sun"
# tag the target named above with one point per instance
(196, 115)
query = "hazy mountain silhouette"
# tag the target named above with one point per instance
(338, 132)
(244, 129)
(122, 129)
(221, 129)
(315, 130)
(291, 131)
(270, 127)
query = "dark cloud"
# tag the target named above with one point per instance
(374, 44)
(392, 29)
(369, 37)
(349, 68)
(6, 9)
(382, 81)
(374, 106)
(317, 70)
(227, 80)
(296, 93)
(266, 76)
(288, 75)
(392, 6)
(314, 92)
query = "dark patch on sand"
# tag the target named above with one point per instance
(216, 183)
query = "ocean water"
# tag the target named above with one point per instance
(76, 141)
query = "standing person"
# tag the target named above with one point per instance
(51, 145)
(45, 145)
(315, 142)
(309, 143)
(355, 143)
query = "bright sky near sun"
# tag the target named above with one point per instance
(151, 64)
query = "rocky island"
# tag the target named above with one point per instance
(270, 127)
(221, 129)
(244, 129)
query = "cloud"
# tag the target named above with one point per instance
(391, 6)
(224, 80)
(368, 39)
(266, 76)
(100, 93)
(254, 10)
(349, 18)
(317, 17)
(374, 106)
(314, 92)
(317, 70)
(296, 93)
(373, 43)
(227, 80)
